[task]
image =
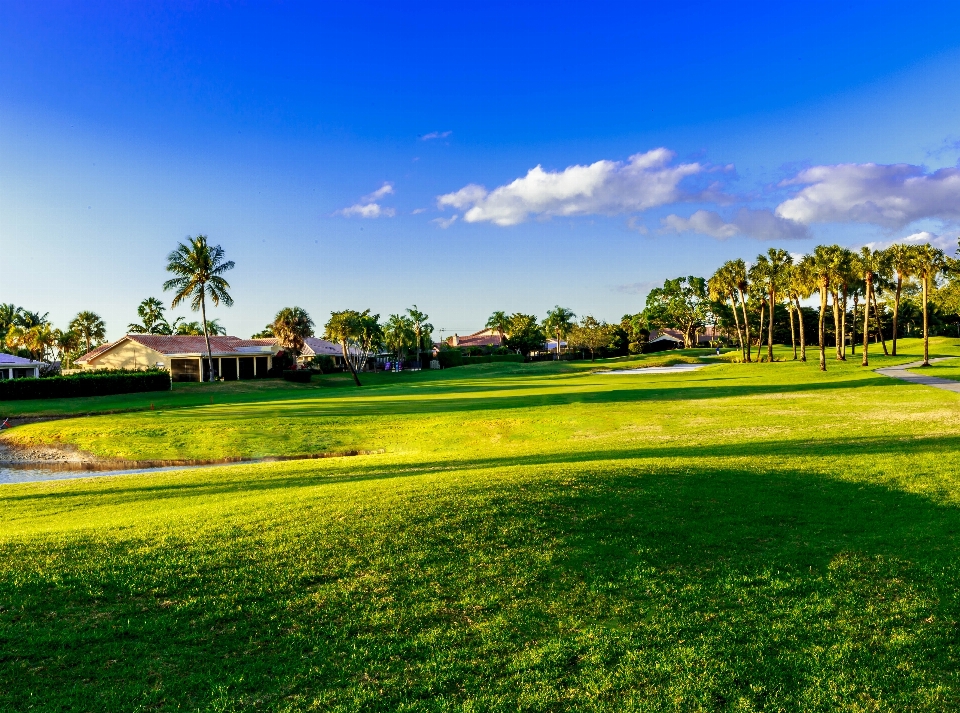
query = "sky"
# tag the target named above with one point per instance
(463, 157)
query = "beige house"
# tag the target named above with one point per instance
(185, 357)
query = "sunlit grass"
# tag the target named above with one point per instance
(535, 537)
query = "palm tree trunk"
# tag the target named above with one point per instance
(206, 335)
(746, 323)
(773, 297)
(866, 327)
(853, 325)
(843, 325)
(793, 335)
(803, 336)
(823, 347)
(835, 298)
(736, 319)
(876, 314)
(343, 347)
(896, 312)
(760, 335)
(926, 338)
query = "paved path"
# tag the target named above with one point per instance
(913, 377)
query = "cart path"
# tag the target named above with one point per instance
(900, 372)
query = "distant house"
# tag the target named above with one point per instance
(314, 346)
(663, 339)
(185, 357)
(704, 338)
(483, 338)
(14, 367)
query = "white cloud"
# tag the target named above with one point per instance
(368, 207)
(606, 188)
(367, 210)
(435, 135)
(888, 195)
(385, 190)
(418, 211)
(946, 242)
(445, 222)
(759, 224)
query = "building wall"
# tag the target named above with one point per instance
(129, 355)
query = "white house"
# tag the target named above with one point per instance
(14, 367)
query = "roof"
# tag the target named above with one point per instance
(483, 338)
(665, 336)
(11, 360)
(189, 345)
(314, 346)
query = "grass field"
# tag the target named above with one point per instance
(747, 537)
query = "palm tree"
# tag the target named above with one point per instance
(89, 328)
(900, 260)
(723, 286)
(199, 269)
(399, 333)
(152, 319)
(740, 279)
(928, 262)
(291, 327)
(867, 263)
(66, 344)
(9, 316)
(342, 327)
(771, 270)
(800, 286)
(559, 321)
(822, 269)
(499, 321)
(420, 326)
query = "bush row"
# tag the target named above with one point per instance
(493, 358)
(95, 383)
(300, 376)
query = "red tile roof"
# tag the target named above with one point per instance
(169, 344)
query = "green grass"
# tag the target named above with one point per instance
(533, 537)
(943, 370)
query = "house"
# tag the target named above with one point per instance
(663, 339)
(14, 367)
(704, 338)
(185, 357)
(483, 338)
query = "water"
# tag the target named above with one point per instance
(37, 472)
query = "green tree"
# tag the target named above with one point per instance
(291, 327)
(559, 322)
(867, 263)
(420, 327)
(500, 322)
(199, 268)
(682, 303)
(398, 332)
(592, 334)
(928, 263)
(89, 328)
(525, 334)
(342, 327)
(801, 284)
(152, 319)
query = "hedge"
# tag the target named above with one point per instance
(300, 376)
(450, 358)
(493, 358)
(95, 383)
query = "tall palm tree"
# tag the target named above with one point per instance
(928, 263)
(420, 326)
(342, 327)
(722, 286)
(559, 321)
(822, 269)
(772, 270)
(867, 263)
(89, 328)
(802, 283)
(66, 344)
(399, 334)
(899, 259)
(499, 321)
(291, 327)
(199, 269)
(740, 278)
(9, 316)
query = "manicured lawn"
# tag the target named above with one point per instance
(533, 537)
(943, 370)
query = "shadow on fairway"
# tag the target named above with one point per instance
(782, 591)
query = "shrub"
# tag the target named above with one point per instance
(94, 383)
(450, 358)
(300, 376)
(493, 358)
(324, 364)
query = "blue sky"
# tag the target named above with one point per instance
(326, 146)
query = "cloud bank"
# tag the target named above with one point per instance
(645, 181)
(891, 196)
(758, 224)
